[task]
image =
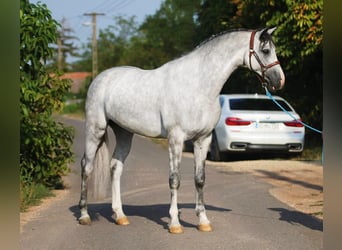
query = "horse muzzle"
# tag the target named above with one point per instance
(274, 81)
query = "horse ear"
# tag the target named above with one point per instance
(267, 31)
(266, 34)
(270, 30)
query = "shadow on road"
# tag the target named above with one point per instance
(295, 217)
(276, 176)
(159, 213)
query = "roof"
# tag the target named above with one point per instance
(77, 78)
(76, 75)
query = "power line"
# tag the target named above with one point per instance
(104, 5)
(126, 4)
(116, 6)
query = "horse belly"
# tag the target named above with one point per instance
(136, 117)
(131, 100)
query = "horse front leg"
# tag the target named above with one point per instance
(201, 147)
(176, 139)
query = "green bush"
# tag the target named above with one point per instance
(45, 144)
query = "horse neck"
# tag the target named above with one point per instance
(218, 60)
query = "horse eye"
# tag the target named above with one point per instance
(266, 51)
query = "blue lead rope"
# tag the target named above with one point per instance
(304, 124)
(287, 112)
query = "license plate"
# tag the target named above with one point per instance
(267, 125)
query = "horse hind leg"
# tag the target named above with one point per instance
(93, 141)
(122, 149)
(201, 147)
(84, 218)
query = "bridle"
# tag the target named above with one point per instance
(263, 67)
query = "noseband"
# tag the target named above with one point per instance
(263, 67)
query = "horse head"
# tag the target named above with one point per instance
(263, 59)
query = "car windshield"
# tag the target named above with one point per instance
(256, 104)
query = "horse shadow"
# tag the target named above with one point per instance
(296, 217)
(159, 213)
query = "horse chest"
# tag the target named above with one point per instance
(199, 118)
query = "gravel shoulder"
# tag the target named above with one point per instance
(298, 184)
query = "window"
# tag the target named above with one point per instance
(257, 104)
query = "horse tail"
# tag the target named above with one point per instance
(102, 171)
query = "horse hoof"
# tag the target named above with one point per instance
(176, 229)
(84, 220)
(205, 228)
(122, 221)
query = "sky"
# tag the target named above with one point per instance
(73, 12)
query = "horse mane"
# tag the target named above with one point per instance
(212, 37)
(264, 38)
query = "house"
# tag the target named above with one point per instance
(78, 80)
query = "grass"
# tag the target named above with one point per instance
(162, 142)
(314, 153)
(313, 149)
(74, 109)
(32, 195)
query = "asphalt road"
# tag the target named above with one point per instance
(243, 213)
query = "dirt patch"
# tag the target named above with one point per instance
(34, 212)
(298, 184)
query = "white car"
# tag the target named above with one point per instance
(251, 122)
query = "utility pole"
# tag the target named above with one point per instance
(59, 54)
(94, 41)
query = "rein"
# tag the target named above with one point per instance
(252, 52)
(287, 112)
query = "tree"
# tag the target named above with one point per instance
(215, 17)
(113, 44)
(45, 145)
(299, 25)
(85, 61)
(65, 46)
(167, 34)
(171, 31)
(219, 16)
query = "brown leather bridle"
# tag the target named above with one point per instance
(263, 67)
